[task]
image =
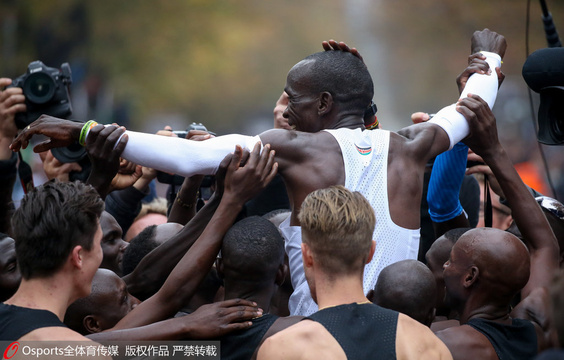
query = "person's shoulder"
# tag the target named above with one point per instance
(466, 342)
(60, 337)
(54, 333)
(304, 340)
(415, 340)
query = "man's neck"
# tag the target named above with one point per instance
(339, 291)
(347, 121)
(262, 296)
(50, 294)
(485, 310)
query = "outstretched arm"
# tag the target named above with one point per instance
(171, 154)
(207, 322)
(241, 184)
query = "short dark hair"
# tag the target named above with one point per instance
(51, 220)
(138, 248)
(343, 75)
(253, 248)
(409, 287)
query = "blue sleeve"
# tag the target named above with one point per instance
(444, 186)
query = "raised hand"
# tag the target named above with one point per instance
(476, 65)
(54, 169)
(487, 40)
(104, 151)
(243, 183)
(129, 174)
(59, 131)
(12, 101)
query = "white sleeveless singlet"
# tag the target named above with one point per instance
(365, 156)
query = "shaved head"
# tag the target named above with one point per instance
(502, 259)
(407, 286)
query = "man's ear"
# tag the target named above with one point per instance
(307, 256)
(325, 103)
(219, 267)
(471, 276)
(76, 256)
(91, 324)
(281, 274)
(372, 250)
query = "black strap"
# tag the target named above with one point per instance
(488, 210)
(25, 174)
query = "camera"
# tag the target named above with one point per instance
(194, 126)
(174, 179)
(46, 91)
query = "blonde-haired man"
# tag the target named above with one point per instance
(337, 227)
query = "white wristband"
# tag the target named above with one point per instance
(485, 86)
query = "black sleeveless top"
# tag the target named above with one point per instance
(364, 331)
(16, 321)
(242, 344)
(516, 341)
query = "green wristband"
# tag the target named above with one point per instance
(89, 125)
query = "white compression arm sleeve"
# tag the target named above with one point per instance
(483, 85)
(181, 156)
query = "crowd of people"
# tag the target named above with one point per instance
(311, 244)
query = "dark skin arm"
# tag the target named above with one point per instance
(241, 184)
(207, 322)
(104, 155)
(526, 212)
(184, 207)
(152, 271)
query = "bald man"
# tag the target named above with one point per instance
(488, 267)
(407, 286)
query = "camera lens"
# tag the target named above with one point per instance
(39, 88)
